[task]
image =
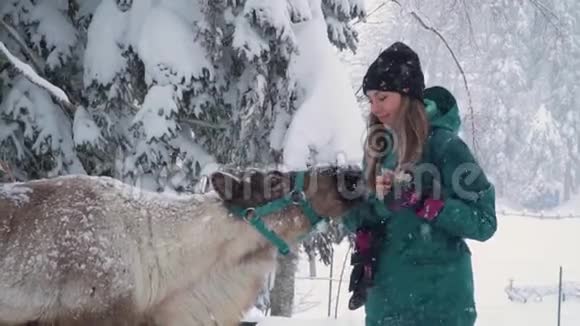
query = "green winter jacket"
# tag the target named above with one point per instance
(424, 275)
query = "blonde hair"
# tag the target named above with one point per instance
(410, 134)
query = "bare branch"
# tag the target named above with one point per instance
(551, 17)
(544, 10)
(457, 63)
(370, 13)
(469, 23)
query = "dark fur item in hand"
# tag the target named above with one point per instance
(364, 261)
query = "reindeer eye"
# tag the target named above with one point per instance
(352, 179)
(350, 184)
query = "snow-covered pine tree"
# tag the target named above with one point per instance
(540, 101)
(251, 44)
(36, 137)
(143, 65)
(564, 99)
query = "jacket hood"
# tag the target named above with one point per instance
(442, 110)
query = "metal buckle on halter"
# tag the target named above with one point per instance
(297, 197)
(249, 214)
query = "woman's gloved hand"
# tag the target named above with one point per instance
(364, 261)
(384, 183)
(426, 208)
(430, 208)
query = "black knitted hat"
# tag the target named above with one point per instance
(397, 69)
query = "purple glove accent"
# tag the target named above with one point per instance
(363, 241)
(410, 198)
(430, 209)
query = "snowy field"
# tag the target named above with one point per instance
(529, 251)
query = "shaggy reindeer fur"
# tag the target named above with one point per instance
(84, 250)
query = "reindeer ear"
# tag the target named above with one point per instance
(265, 186)
(226, 185)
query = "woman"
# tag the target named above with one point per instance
(430, 195)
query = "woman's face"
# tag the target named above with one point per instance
(385, 106)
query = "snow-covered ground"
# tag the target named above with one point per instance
(529, 251)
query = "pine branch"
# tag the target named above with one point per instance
(30, 55)
(201, 123)
(134, 108)
(5, 169)
(27, 152)
(190, 122)
(58, 94)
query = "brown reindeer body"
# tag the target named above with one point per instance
(81, 250)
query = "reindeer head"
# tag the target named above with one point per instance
(330, 192)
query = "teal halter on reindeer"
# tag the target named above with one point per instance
(336, 190)
(297, 197)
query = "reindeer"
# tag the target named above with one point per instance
(81, 250)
